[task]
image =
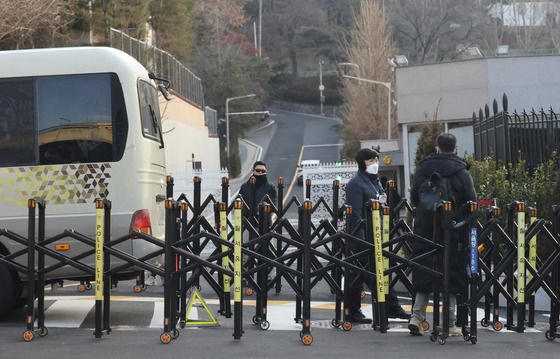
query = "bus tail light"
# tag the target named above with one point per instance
(141, 222)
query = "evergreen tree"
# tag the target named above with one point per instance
(173, 22)
(427, 140)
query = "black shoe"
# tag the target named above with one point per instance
(397, 312)
(358, 317)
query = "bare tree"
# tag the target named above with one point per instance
(528, 28)
(365, 105)
(22, 20)
(287, 22)
(430, 30)
(553, 23)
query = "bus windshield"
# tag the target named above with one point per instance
(61, 119)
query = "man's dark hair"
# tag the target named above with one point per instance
(365, 154)
(259, 163)
(446, 142)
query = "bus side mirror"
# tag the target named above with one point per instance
(165, 92)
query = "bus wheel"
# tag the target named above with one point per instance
(10, 289)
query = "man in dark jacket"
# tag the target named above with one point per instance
(262, 186)
(450, 166)
(365, 185)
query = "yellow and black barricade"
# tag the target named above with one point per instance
(225, 259)
(533, 263)
(99, 259)
(379, 265)
(237, 269)
(520, 267)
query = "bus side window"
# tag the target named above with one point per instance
(75, 119)
(17, 123)
(148, 100)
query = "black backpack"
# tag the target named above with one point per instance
(434, 189)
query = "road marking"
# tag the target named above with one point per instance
(157, 317)
(337, 119)
(270, 123)
(281, 317)
(294, 178)
(326, 145)
(71, 311)
(68, 313)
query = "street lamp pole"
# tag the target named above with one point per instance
(260, 29)
(321, 87)
(90, 5)
(387, 85)
(227, 117)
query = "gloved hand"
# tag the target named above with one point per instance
(382, 198)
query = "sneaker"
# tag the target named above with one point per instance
(455, 331)
(358, 317)
(397, 312)
(415, 325)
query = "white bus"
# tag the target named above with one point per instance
(77, 124)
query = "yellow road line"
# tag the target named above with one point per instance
(294, 178)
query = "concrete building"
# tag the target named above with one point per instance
(452, 91)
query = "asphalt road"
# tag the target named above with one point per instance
(299, 134)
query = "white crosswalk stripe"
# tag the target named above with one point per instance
(71, 312)
(157, 317)
(68, 313)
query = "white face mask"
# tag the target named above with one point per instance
(373, 168)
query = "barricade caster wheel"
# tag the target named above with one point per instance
(497, 326)
(81, 288)
(165, 338)
(362, 294)
(265, 324)
(335, 323)
(256, 319)
(347, 326)
(484, 323)
(549, 335)
(88, 285)
(138, 289)
(441, 341)
(182, 324)
(425, 326)
(473, 340)
(467, 337)
(249, 291)
(175, 334)
(433, 338)
(307, 339)
(28, 336)
(43, 332)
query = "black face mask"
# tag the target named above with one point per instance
(261, 179)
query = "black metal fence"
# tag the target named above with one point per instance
(508, 137)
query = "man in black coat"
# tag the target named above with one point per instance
(262, 186)
(448, 165)
(365, 185)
